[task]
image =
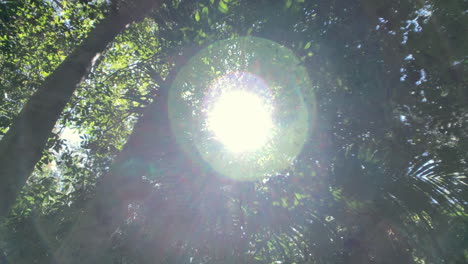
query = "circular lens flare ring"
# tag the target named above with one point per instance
(254, 66)
(240, 120)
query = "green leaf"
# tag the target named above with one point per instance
(205, 11)
(222, 7)
(197, 16)
(288, 4)
(307, 45)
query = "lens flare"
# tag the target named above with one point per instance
(240, 120)
(243, 108)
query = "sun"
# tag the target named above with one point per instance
(240, 120)
(241, 107)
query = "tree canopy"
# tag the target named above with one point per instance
(365, 159)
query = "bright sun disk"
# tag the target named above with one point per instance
(240, 120)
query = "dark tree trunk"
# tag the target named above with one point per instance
(151, 144)
(22, 146)
(90, 238)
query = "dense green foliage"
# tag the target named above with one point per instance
(35, 37)
(381, 179)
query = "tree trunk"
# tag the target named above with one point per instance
(90, 237)
(22, 146)
(151, 145)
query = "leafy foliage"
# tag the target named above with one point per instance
(382, 178)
